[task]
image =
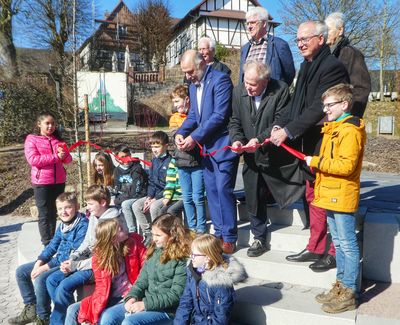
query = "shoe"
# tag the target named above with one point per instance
(228, 248)
(323, 298)
(147, 239)
(27, 315)
(304, 256)
(324, 264)
(345, 300)
(256, 249)
(40, 321)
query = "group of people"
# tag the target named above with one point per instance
(143, 279)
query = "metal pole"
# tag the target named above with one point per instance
(87, 139)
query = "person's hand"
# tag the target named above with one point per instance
(308, 160)
(136, 307)
(237, 147)
(278, 136)
(39, 270)
(189, 143)
(128, 305)
(165, 202)
(147, 204)
(179, 141)
(252, 145)
(61, 153)
(65, 267)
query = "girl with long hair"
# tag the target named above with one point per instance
(117, 260)
(155, 295)
(46, 153)
(102, 169)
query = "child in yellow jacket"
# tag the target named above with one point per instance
(337, 189)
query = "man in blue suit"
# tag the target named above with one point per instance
(266, 48)
(210, 109)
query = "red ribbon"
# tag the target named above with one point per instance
(123, 160)
(292, 151)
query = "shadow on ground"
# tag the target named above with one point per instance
(20, 199)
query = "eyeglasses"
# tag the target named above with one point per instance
(329, 105)
(252, 23)
(304, 40)
(193, 256)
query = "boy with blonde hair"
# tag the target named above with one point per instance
(337, 189)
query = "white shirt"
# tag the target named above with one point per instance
(257, 100)
(199, 94)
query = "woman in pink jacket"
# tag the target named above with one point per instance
(47, 153)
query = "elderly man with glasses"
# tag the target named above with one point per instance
(266, 48)
(302, 125)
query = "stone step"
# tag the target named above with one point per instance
(273, 266)
(280, 237)
(260, 302)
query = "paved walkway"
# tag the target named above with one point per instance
(10, 300)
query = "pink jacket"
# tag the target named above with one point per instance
(41, 154)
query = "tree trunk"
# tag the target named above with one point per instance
(8, 57)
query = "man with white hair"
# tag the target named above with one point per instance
(257, 104)
(302, 124)
(352, 59)
(206, 47)
(266, 48)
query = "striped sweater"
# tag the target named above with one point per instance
(172, 189)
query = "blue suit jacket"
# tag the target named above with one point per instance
(209, 127)
(279, 58)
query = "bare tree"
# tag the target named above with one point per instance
(361, 18)
(153, 24)
(387, 40)
(8, 61)
(49, 24)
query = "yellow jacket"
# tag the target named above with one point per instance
(338, 166)
(176, 120)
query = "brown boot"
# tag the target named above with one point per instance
(346, 300)
(323, 298)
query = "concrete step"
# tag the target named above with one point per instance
(280, 237)
(273, 266)
(260, 302)
(28, 245)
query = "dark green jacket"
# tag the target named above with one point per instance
(160, 286)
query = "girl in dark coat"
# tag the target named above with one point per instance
(209, 294)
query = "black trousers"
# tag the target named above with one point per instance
(259, 221)
(45, 197)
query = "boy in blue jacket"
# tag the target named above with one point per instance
(31, 277)
(145, 206)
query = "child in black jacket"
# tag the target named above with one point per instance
(130, 184)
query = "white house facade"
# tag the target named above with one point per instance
(222, 20)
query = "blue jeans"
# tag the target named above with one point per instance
(35, 293)
(117, 314)
(127, 211)
(73, 311)
(192, 184)
(342, 227)
(61, 289)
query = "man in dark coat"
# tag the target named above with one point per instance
(266, 48)
(303, 121)
(352, 59)
(257, 103)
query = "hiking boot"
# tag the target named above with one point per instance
(345, 300)
(27, 315)
(325, 297)
(256, 249)
(40, 321)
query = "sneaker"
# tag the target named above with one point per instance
(345, 300)
(27, 315)
(256, 249)
(40, 321)
(228, 248)
(323, 298)
(148, 238)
